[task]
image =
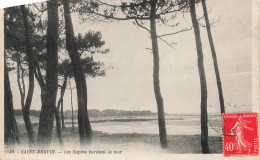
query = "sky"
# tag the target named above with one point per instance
(129, 85)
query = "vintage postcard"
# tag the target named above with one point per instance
(130, 79)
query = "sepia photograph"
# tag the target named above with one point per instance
(130, 79)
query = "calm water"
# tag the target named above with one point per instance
(187, 125)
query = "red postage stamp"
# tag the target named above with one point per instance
(240, 134)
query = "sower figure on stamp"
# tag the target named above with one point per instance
(238, 130)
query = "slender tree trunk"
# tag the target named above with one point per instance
(23, 84)
(58, 126)
(48, 108)
(40, 80)
(85, 131)
(62, 115)
(87, 123)
(27, 105)
(72, 110)
(11, 133)
(203, 83)
(21, 89)
(214, 56)
(156, 80)
(60, 102)
(57, 115)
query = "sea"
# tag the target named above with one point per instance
(175, 124)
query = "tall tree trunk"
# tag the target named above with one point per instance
(48, 108)
(41, 82)
(85, 130)
(156, 80)
(72, 110)
(203, 83)
(27, 105)
(11, 133)
(214, 56)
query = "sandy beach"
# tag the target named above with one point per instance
(129, 142)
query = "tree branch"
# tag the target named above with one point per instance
(176, 10)
(142, 26)
(203, 25)
(166, 42)
(150, 32)
(40, 10)
(118, 18)
(186, 29)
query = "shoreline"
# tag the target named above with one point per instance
(129, 142)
